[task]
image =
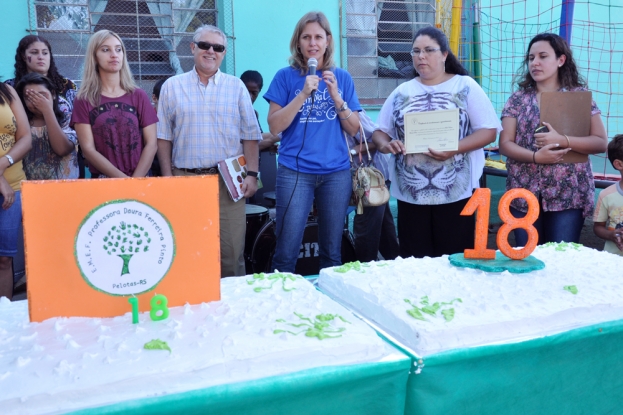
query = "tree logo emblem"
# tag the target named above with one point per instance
(126, 240)
(124, 247)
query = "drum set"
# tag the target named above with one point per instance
(261, 240)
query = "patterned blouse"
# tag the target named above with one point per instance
(557, 186)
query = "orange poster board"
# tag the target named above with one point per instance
(92, 244)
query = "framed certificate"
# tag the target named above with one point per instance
(437, 130)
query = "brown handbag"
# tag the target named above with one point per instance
(369, 187)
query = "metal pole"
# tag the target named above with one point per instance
(476, 45)
(566, 19)
(455, 26)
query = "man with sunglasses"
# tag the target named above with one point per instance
(207, 116)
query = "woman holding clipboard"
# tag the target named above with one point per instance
(535, 152)
(433, 187)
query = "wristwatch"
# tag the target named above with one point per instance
(353, 151)
(252, 173)
(344, 107)
(10, 159)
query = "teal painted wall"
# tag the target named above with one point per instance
(14, 27)
(263, 29)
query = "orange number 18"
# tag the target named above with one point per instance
(480, 201)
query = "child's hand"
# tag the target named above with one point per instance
(617, 238)
(7, 192)
(42, 101)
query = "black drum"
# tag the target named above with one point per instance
(309, 254)
(257, 216)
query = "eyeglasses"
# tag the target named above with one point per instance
(207, 46)
(426, 52)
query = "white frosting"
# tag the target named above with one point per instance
(495, 307)
(64, 364)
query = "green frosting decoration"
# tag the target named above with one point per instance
(322, 327)
(563, 246)
(355, 266)
(571, 288)
(499, 264)
(271, 279)
(157, 344)
(431, 309)
(448, 314)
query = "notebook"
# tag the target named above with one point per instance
(233, 171)
(569, 113)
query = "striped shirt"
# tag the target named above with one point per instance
(205, 123)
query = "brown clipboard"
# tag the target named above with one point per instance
(569, 113)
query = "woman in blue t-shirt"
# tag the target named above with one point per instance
(311, 112)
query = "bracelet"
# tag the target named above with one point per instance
(534, 157)
(568, 141)
(11, 162)
(351, 113)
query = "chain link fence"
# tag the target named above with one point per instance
(156, 33)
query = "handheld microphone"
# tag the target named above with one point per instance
(312, 64)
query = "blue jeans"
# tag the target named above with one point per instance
(295, 193)
(565, 225)
(10, 220)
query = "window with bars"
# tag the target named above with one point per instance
(377, 39)
(156, 33)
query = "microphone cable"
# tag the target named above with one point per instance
(313, 96)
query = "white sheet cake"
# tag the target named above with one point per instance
(63, 364)
(578, 287)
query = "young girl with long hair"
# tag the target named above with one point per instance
(34, 55)
(114, 120)
(53, 154)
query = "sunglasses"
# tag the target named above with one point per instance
(207, 46)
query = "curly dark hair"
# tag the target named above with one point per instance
(615, 148)
(20, 62)
(568, 75)
(453, 66)
(34, 78)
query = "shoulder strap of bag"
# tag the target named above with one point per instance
(362, 140)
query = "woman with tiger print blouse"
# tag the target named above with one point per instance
(433, 187)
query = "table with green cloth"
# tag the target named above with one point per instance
(575, 372)
(368, 388)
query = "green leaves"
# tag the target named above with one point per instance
(448, 314)
(425, 307)
(571, 288)
(355, 266)
(157, 344)
(127, 238)
(323, 326)
(416, 313)
(564, 246)
(270, 279)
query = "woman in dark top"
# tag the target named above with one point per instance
(114, 119)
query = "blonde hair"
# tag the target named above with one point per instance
(297, 60)
(91, 86)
